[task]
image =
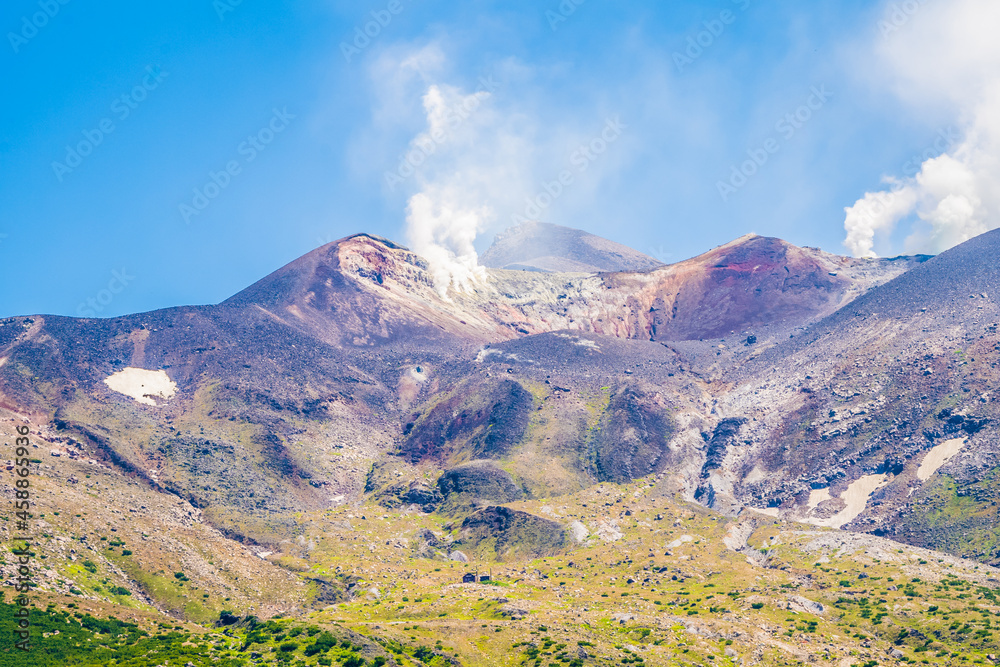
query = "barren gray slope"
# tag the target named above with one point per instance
(539, 246)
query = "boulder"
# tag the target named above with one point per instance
(578, 531)
(799, 603)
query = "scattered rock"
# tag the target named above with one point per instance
(578, 531)
(421, 494)
(608, 531)
(799, 603)
(513, 613)
(679, 541)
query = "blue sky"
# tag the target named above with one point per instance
(296, 136)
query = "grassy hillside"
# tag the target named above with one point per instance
(640, 579)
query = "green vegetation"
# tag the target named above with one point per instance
(656, 586)
(69, 637)
(960, 519)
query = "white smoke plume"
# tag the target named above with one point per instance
(445, 217)
(442, 230)
(481, 152)
(940, 53)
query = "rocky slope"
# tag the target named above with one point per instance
(340, 426)
(285, 395)
(854, 394)
(614, 574)
(368, 291)
(884, 412)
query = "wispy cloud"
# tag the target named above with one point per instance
(457, 169)
(943, 54)
(481, 151)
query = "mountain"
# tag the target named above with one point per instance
(366, 291)
(540, 246)
(880, 396)
(339, 427)
(351, 344)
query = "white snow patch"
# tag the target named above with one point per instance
(488, 352)
(142, 385)
(769, 511)
(938, 456)
(817, 496)
(856, 497)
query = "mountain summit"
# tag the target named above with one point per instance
(758, 374)
(339, 433)
(540, 246)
